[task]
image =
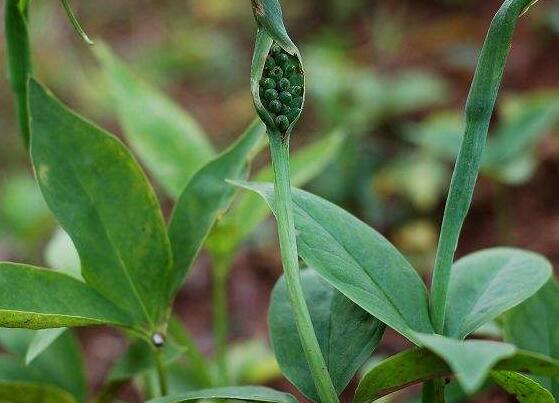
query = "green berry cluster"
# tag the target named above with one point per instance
(281, 87)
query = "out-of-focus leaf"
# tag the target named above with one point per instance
(166, 138)
(41, 341)
(103, 200)
(485, 284)
(439, 134)
(346, 333)
(524, 389)
(252, 362)
(249, 211)
(206, 196)
(247, 393)
(61, 255)
(25, 392)
(357, 261)
(534, 326)
(37, 298)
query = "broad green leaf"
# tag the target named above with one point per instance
(37, 298)
(18, 55)
(60, 365)
(534, 326)
(357, 260)
(41, 341)
(346, 333)
(419, 365)
(524, 389)
(249, 211)
(470, 360)
(104, 202)
(485, 284)
(204, 199)
(168, 141)
(247, 393)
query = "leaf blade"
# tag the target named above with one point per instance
(249, 393)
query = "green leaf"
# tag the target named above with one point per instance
(18, 55)
(470, 360)
(534, 326)
(247, 393)
(347, 334)
(104, 202)
(419, 365)
(249, 211)
(205, 197)
(168, 140)
(25, 392)
(60, 365)
(524, 389)
(61, 255)
(40, 299)
(357, 260)
(41, 341)
(485, 284)
(478, 111)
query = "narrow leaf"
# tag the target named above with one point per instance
(247, 393)
(487, 283)
(206, 196)
(419, 365)
(268, 14)
(524, 389)
(534, 326)
(346, 333)
(357, 260)
(37, 298)
(168, 140)
(105, 203)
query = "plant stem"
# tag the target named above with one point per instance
(161, 372)
(288, 245)
(18, 53)
(479, 108)
(433, 391)
(220, 323)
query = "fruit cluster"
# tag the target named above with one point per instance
(281, 87)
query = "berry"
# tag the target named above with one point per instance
(285, 110)
(276, 49)
(284, 84)
(276, 73)
(297, 102)
(268, 83)
(270, 94)
(282, 59)
(285, 97)
(297, 91)
(282, 122)
(270, 63)
(289, 70)
(275, 106)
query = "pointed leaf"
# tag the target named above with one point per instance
(419, 365)
(41, 341)
(37, 298)
(250, 210)
(534, 326)
(205, 197)
(470, 360)
(524, 389)
(165, 137)
(485, 284)
(357, 260)
(268, 13)
(105, 203)
(346, 333)
(247, 393)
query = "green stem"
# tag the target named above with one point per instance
(75, 23)
(161, 372)
(220, 323)
(18, 52)
(433, 391)
(479, 108)
(286, 232)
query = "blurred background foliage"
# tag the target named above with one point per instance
(392, 75)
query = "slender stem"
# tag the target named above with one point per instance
(286, 232)
(75, 23)
(18, 53)
(479, 108)
(433, 392)
(161, 372)
(220, 322)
